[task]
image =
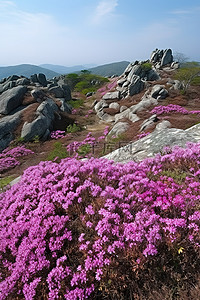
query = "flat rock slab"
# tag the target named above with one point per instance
(152, 144)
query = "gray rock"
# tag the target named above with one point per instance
(11, 99)
(23, 81)
(8, 85)
(47, 109)
(13, 77)
(64, 105)
(111, 95)
(149, 122)
(123, 108)
(38, 94)
(153, 75)
(114, 105)
(167, 57)
(194, 131)
(40, 126)
(136, 86)
(121, 81)
(107, 118)
(33, 78)
(119, 128)
(101, 105)
(122, 115)
(151, 144)
(133, 117)
(136, 70)
(57, 91)
(163, 125)
(7, 126)
(14, 181)
(41, 78)
(159, 92)
(36, 128)
(67, 92)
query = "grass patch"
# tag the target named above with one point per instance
(76, 103)
(5, 181)
(59, 152)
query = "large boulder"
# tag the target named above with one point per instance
(111, 95)
(7, 125)
(42, 124)
(159, 92)
(161, 58)
(167, 57)
(38, 128)
(154, 143)
(118, 129)
(57, 92)
(136, 86)
(11, 99)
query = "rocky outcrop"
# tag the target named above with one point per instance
(11, 99)
(18, 92)
(42, 125)
(154, 143)
(161, 58)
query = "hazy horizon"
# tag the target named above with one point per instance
(97, 32)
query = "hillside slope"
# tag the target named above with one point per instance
(26, 70)
(116, 68)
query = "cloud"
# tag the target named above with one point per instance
(29, 37)
(104, 8)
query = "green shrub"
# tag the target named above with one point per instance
(76, 103)
(5, 181)
(36, 139)
(72, 128)
(146, 67)
(58, 152)
(84, 150)
(177, 174)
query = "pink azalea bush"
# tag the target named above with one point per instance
(75, 147)
(8, 157)
(96, 229)
(107, 88)
(172, 108)
(58, 134)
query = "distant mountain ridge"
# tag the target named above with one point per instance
(62, 69)
(26, 70)
(116, 68)
(51, 71)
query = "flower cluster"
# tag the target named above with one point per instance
(58, 134)
(74, 111)
(141, 135)
(172, 108)
(64, 226)
(90, 141)
(90, 111)
(107, 88)
(8, 157)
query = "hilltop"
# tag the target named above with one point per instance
(25, 70)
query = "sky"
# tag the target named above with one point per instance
(74, 32)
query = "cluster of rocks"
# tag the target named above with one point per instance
(52, 96)
(161, 58)
(138, 76)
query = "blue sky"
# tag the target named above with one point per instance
(72, 32)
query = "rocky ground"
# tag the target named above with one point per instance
(119, 104)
